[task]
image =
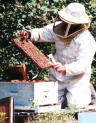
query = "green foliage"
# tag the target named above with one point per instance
(16, 15)
(66, 116)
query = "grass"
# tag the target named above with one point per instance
(68, 116)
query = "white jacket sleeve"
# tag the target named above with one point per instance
(43, 34)
(86, 51)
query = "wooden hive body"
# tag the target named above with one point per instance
(25, 94)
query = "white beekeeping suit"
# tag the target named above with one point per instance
(76, 56)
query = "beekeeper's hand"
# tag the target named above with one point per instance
(24, 34)
(59, 68)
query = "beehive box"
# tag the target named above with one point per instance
(29, 96)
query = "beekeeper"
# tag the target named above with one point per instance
(75, 49)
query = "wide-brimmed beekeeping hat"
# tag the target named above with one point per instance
(74, 13)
